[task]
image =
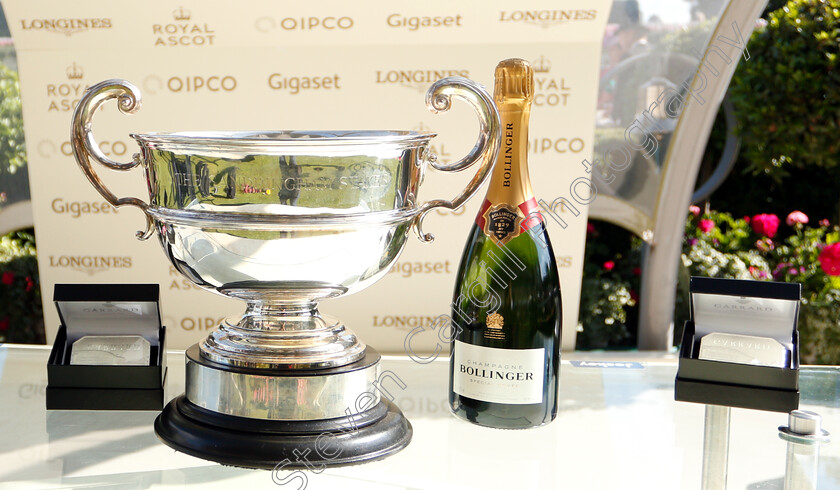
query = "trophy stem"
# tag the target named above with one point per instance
(282, 333)
(281, 315)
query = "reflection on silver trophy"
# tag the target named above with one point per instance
(283, 220)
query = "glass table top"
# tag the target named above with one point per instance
(618, 427)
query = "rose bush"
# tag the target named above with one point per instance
(608, 291)
(21, 316)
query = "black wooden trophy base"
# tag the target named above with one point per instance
(310, 444)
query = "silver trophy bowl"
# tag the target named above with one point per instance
(283, 220)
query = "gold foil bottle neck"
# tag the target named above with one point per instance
(514, 80)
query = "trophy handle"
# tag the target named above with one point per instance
(439, 99)
(85, 147)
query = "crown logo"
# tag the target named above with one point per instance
(74, 72)
(181, 14)
(495, 321)
(541, 65)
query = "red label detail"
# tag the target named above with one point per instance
(531, 210)
(479, 220)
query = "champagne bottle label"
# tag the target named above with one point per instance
(512, 376)
(504, 222)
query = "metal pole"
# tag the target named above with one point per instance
(803, 434)
(715, 447)
(801, 466)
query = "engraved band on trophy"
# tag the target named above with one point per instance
(283, 220)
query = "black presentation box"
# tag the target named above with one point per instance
(754, 308)
(106, 309)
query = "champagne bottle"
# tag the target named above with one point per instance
(506, 312)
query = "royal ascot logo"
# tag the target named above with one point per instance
(550, 91)
(74, 72)
(89, 264)
(183, 31)
(307, 83)
(116, 148)
(178, 282)
(154, 84)
(417, 79)
(287, 24)
(63, 96)
(68, 27)
(546, 18)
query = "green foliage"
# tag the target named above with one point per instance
(602, 316)
(695, 35)
(608, 291)
(12, 149)
(787, 96)
(21, 319)
(813, 190)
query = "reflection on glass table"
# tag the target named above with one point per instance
(618, 428)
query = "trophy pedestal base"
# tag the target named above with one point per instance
(309, 444)
(283, 418)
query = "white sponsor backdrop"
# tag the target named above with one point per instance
(212, 65)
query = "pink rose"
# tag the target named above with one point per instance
(825, 223)
(695, 210)
(609, 265)
(796, 217)
(765, 224)
(830, 259)
(590, 228)
(706, 225)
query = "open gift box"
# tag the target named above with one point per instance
(95, 312)
(765, 314)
